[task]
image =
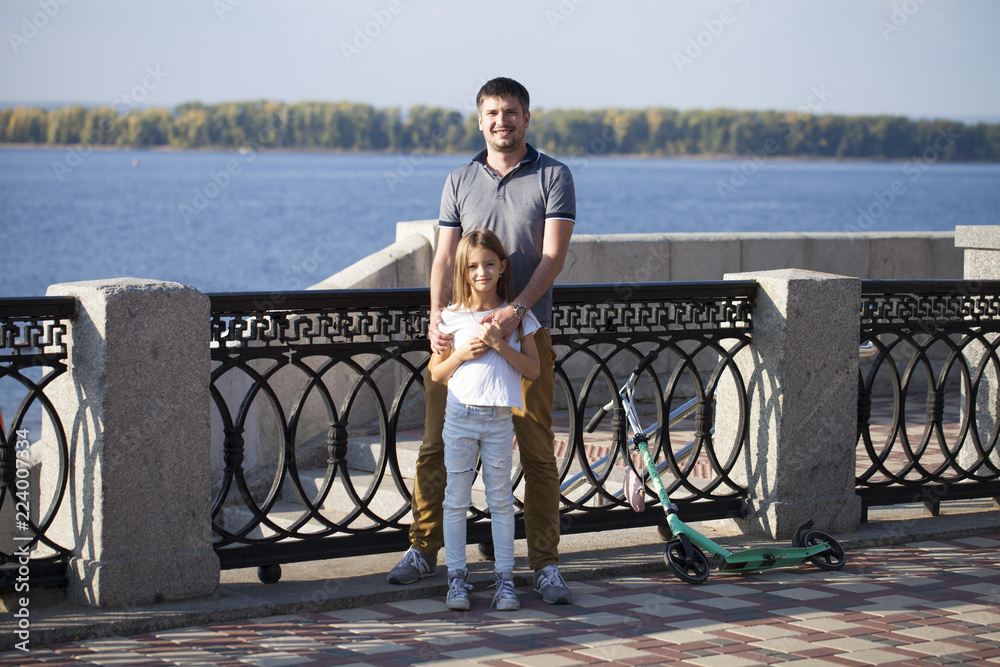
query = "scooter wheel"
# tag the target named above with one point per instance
(663, 530)
(689, 564)
(832, 559)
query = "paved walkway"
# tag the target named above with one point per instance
(920, 603)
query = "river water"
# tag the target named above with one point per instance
(222, 221)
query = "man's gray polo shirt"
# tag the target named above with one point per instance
(515, 206)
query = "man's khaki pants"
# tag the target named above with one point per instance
(533, 427)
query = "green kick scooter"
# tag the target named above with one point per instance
(685, 552)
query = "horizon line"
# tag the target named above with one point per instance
(973, 118)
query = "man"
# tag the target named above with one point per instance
(529, 200)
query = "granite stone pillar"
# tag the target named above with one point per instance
(135, 406)
(982, 262)
(982, 251)
(801, 371)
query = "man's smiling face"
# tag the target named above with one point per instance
(503, 123)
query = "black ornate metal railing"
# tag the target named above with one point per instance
(318, 411)
(33, 353)
(930, 353)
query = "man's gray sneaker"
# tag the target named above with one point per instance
(414, 566)
(551, 586)
(458, 590)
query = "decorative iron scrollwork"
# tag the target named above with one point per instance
(930, 304)
(33, 353)
(936, 365)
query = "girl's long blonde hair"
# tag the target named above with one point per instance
(461, 291)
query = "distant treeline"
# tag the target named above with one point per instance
(347, 126)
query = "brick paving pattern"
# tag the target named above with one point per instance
(924, 603)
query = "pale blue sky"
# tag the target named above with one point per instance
(921, 58)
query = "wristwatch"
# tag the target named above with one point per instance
(519, 310)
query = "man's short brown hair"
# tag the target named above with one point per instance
(503, 87)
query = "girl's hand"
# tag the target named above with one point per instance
(505, 319)
(446, 363)
(473, 349)
(491, 335)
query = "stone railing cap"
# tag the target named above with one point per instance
(983, 237)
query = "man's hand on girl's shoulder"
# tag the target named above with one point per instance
(440, 342)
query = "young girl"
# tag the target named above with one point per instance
(483, 372)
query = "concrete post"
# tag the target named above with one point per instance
(982, 251)
(801, 371)
(135, 406)
(982, 262)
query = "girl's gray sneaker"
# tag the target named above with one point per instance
(505, 599)
(458, 590)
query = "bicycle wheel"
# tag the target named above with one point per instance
(688, 564)
(486, 550)
(269, 574)
(832, 559)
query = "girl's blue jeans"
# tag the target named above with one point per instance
(487, 433)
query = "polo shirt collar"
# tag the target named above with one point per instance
(529, 158)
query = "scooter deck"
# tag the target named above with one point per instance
(765, 558)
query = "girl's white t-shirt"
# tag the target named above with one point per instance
(490, 379)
